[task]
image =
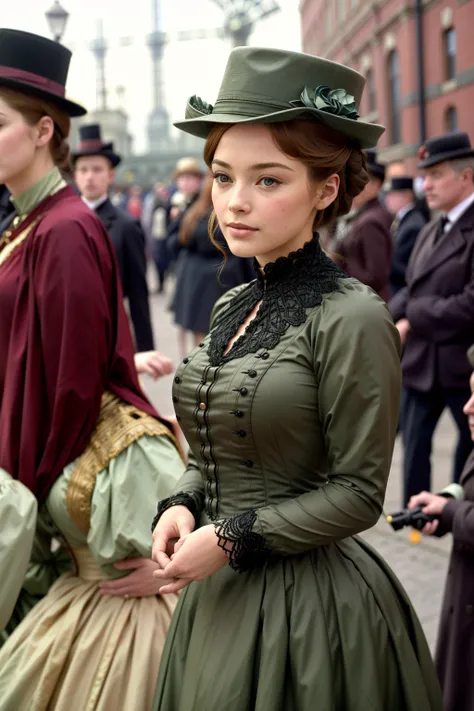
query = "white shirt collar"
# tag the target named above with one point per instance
(404, 211)
(94, 204)
(454, 214)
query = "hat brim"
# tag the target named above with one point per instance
(443, 157)
(362, 134)
(70, 107)
(114, 159)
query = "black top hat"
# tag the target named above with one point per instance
(399, 183)
(449, 146)
(374, 168)
(91, 144)
(38, 66)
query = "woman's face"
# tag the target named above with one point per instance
(263, 199)
(18, 145)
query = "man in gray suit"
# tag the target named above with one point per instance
(434, 312)
(408, 221)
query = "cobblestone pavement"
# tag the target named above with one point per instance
(421, 567)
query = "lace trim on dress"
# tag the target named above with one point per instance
(244, 548)
(192, 501)
(286, 288)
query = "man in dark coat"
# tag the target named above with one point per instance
(434, 313)
(454, 510)
(6, 206)
(94, 163)
(363, 243)
(409, 220)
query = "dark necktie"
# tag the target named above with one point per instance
(441, 225)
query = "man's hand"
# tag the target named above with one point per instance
(404, 328)
(431, 504)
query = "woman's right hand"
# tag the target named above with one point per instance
(174, 524)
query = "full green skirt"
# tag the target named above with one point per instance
(329, 630)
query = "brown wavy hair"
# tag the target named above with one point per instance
(33, 109)
(196, 211)
(322, 150)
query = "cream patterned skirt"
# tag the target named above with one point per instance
(80, 651)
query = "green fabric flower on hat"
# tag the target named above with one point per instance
(199, 105)
(333, 101)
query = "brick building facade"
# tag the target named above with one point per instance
(379, 39)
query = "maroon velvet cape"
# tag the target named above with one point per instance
(64, 340)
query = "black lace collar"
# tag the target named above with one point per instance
(286, 288)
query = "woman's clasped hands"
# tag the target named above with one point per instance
(183, 554)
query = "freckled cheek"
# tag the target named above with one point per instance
(288, 211)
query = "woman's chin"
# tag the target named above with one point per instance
(241, 247)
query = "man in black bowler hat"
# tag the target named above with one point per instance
(408, 221)
(434, 313)
(94, 163)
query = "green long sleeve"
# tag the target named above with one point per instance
(356, 361)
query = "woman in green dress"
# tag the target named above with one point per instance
(290, 408)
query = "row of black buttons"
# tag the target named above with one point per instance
(242, 391)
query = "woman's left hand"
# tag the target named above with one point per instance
(431, 504)
(139, 583)
(196, 556)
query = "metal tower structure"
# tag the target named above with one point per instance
(158, 122)
(99, 48)
(242, 15)
(240, 18)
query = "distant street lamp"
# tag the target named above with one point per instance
(57, 18)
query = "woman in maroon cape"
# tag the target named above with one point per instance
(83, 454)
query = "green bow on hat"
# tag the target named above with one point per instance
(262, 86)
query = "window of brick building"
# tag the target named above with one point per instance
(394, 96)
(449, 41)
(451, 119)
(371, 99)
(341, 10)
(329, 9)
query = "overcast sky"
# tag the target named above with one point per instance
(189, 67)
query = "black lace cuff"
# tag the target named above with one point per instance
(245, 548)
(183, 498)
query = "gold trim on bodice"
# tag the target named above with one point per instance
(11, 246)
(119, 425)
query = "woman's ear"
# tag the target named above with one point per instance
(45, 131)
(327, 193)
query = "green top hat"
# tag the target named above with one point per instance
(272, 85)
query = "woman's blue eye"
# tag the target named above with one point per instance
(221, 178)
(269, 182)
